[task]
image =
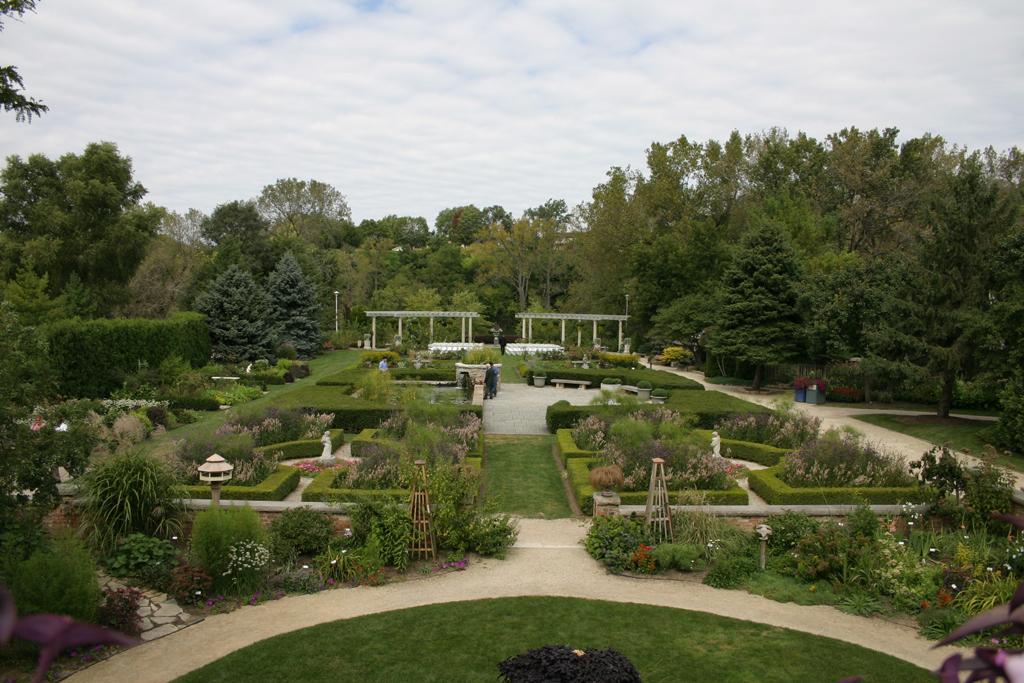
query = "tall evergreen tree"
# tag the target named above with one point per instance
(238, 313)
(757, 317)
(294, 307)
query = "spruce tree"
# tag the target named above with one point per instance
(757, 318)
(238, 313)
(294, 307)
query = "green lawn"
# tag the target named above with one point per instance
(465, 641)
(508, 369)
(919, 407)
(962, 436)
(523, 478)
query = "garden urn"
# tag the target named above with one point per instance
(643, 394)
(538, 381)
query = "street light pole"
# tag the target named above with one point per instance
(627, 305)
(336, 310)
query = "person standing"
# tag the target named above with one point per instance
(502, 342)
(383, 365)
(489, 381)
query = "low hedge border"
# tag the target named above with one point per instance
(745, 450)
(275, 487)
(191, 403)
(708, 407)
(766, 483)
(657, 378)
(567, 447)
(304, 448)
(322, 488)
(578, 470)
(257, 379)
(365, 437)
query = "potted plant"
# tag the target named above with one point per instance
(611, 384)
(659, 396)
(800, 389)
(643, 390)
(816, 391)
(539, 377)
(606, 478)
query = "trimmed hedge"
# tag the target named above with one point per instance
(200, 403)
(304, 448)
(767, 484)
(275, 487)
(710, 407)
(257, 379)
(365, 437)
(83, 353)
(745, 450)
(322, 488)
(567, 447)
(657, 378)
(578, 470)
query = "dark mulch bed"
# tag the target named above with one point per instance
(936, 420)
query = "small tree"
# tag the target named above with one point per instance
(238, 313)
(757, 316)
(294, 308)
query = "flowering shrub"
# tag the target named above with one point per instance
(642, 560)
(899, 574)
(379, 468)
(233, 395)
(190, 585)
(272, 425)
(128, 405)
(784, 429)
(845, 383)
(246, 562)
(842, 461)
(251, 466)
(675, 354)
(589, 433)
(315, 466)
(808, 382)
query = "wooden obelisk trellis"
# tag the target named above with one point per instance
(659, 514)
(419, 509)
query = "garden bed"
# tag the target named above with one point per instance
(766, 483)
(658, 379)
(708, 407)
(741, 450)
(323, 487)
(367, 436)
(304, 448)
(275, 487)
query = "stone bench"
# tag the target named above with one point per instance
(626, 387)
(560, 383)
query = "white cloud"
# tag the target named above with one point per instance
(408, 107)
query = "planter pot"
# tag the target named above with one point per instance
(643, 394)
(658, 399)
(611, 387)
(539, 381)
(815, 395)
(800, 395)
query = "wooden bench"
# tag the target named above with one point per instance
(560, 383)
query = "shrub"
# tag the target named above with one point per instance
(120, 611)
(643, 385)
(611, 380)
(215, 531)
(686, 557)
(130, 493)
(614, 540)
(482, 356)
(788, 529)
(157, 415)
(287, 351)
(786, 428)
(247, 561)
(731, 572)
(385, 527)
(300, 370)
(138, 553)
(61, 580)
(372, 358)
(493, 536)
(301, 531)
(288, 377)
(660, 393)
(687, 466)
(562, 664)
(190, 585)
(838, 461)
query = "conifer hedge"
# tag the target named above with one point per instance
(86, 355)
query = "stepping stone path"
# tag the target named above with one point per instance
(161, 615)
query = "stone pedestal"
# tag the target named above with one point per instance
(606, 505)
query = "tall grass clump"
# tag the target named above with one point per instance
(785, 428)
(376, 387)
(131, 493)
(840, 460)
(481, 356)
(230, 545)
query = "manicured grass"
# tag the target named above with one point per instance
(962, 436)
(465, 641)
(919, 407)
(523, 478)
(508, 369)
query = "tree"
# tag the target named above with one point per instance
(511, 255)
(24, 108)
(242, 237)
(29, 300)
(757, 315)
(238, 314)
(303, 208)
(551, 260)
(80, 214)
(939, 320)
(294, 308)
(460, 224)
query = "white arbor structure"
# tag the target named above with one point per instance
(528, 319)
(467, 321)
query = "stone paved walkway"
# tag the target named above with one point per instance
(522, 409)
(160, 615)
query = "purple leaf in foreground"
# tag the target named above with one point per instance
(8, 615)
(996, 616)
(54, 634)
(1009, 519)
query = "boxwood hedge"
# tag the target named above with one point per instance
(275, 487)
(766, 483)
(657, 378)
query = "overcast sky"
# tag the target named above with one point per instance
(409, 107)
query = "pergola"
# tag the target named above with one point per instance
(465, 315)
(528, 318)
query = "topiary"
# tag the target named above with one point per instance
(611, 380)
(660, 393)
(644, 385)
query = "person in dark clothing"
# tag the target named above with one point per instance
(490, 381)
(502, 341)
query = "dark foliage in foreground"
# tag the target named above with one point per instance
(562, 664)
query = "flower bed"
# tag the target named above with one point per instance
(276, 486)
(783, 429)
(328, 486)
(767, 484)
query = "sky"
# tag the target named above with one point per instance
(409, 107)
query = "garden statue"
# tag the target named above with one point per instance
(327, 457)
(716, 444)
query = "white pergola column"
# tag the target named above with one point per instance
(563, 331)
(579, 337)
(523, 335)
(431, 329)
(594, 340)
(463, 319)
(400, 327)
(530, 335)
(620, 335)
(469, 329)
(373, 332)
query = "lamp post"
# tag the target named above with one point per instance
(216, 470)
(627, 305)
(336, 293)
